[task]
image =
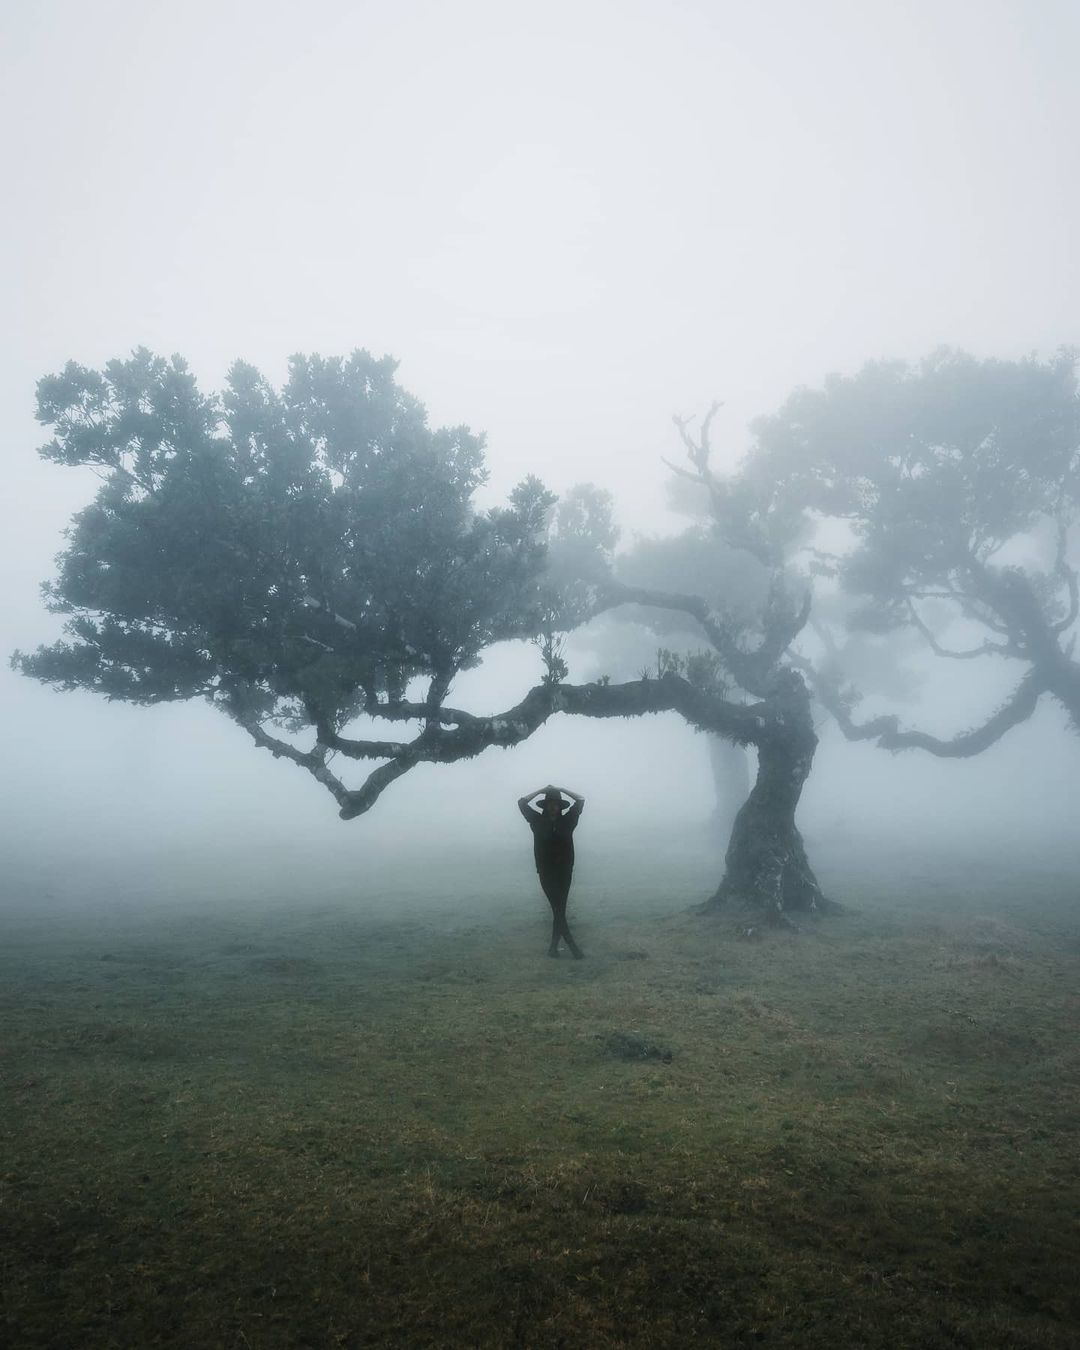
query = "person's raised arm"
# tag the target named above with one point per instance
(525, 804)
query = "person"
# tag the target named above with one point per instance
(553, 825)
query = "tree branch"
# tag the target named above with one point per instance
(401, 710)
(682, 473)
(742, 723)
(752, 670)
(1017, 708)
(309, 602)
(312, 760)
(984, 648)
(746, 667)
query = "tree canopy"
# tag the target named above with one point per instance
(954, 486)
(296, 556)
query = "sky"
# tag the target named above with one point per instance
(569, 222)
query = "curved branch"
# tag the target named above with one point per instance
(746, 667)
(746, 534)
(745, 724)
(682, 473)
(1017, 708)
(752, 670)
(312, 760)
(402, 711)
(984, 649)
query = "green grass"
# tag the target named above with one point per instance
(304, 1124)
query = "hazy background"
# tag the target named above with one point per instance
(568, 221)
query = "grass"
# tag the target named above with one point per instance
(318, 1123)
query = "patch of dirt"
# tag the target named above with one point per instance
(632, 1045)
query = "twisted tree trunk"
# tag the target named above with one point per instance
(767, 869)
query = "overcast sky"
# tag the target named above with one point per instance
(568, 221)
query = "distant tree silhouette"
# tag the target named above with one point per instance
(955, 485)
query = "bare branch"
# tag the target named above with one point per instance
(312, 760)
(1017, 708)
(742, 723)
(984, 648)
(746, 667)
(310, 602)
(683, 473)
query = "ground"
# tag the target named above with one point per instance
(263, 1121)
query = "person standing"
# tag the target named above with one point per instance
(553, 824)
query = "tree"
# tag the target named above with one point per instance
(747, 608)
(956, 484)
(625, 640)
(305, 559)
(298, 558)
(750, 642)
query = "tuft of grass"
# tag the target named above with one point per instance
(271, 1128)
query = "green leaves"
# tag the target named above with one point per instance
(310, 546)
(938, 470)
(702, 669)
(933, 464)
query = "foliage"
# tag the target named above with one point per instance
(552, 647)
(950, 491)
(702, 669)
(581, 540)
(937, 469)
(279, 552)
(697, 561)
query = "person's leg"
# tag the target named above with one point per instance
(550, 887)
(559, 906)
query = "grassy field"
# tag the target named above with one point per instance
(324, 1119)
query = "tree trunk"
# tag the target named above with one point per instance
(767, 869)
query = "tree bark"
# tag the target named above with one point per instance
(767, 869)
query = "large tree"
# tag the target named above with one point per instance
(946, 496)
(736, 626)
(310, 561)
(629, 638)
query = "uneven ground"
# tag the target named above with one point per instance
(258, 1119)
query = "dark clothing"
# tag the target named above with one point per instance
(553, 850)
(555, 879)
(553, 841)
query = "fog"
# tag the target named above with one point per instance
(271, 1079)
(568, 222)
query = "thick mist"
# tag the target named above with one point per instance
(568, 226)
(804, 1075)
